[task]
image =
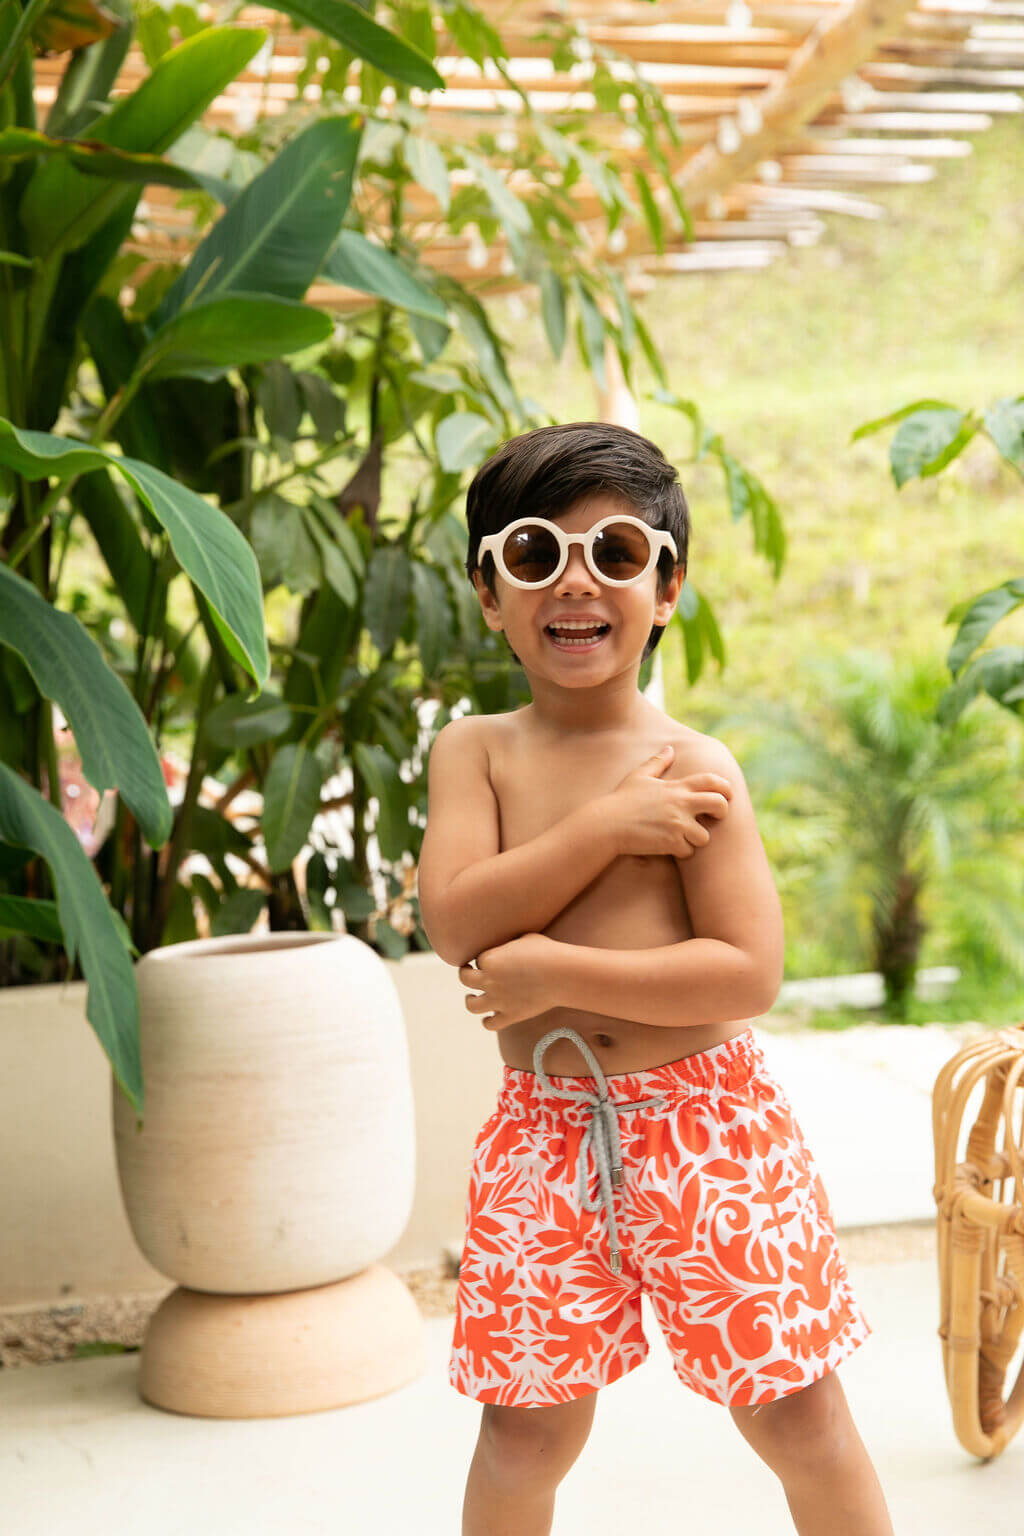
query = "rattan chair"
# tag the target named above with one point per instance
(981, 1237)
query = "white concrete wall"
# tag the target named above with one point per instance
(63, 1231)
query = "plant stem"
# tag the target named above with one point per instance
(9, 57)
(49, 752)
(168, 662)
(183, 820)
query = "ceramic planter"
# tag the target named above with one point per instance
(274, 1167)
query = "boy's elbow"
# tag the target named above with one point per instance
(441, 942)
(765, 983)
(762, 979)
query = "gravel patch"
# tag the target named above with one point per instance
(117, 1324)
(99, 1325)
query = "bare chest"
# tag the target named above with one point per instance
(636, 902)
(637, 899)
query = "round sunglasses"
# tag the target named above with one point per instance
(533, 552)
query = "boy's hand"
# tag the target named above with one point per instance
(514, 980)
(652, 815)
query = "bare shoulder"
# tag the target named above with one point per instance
(470, 733)
(501, 733)
(696, 752)
(468, 728)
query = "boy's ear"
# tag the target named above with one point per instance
(666, 605)
(488, 601)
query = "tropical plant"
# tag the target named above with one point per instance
(931, 434)
(911, 814)
(233, 404)
(69, 197)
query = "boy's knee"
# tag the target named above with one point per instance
(802, 1432)
(535, 1445)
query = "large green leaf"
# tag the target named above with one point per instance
(40, 920)
(433, 617)
(482, 337)
(926, 441)
(592, 331)
(240, 328)
(274, 236)
(237, 722)
(359, 263)
(87, 922)
(1004, 420)
(463, 439)
(387, 595)
(291, 797)
(62, 207)
(206, 543)
(552, 302)
(878, 422)
(351, 26)
(428, 166)
(120, 543)
(999, 672)
(979, 616)
(112, 737)
(115, 344)
(386, 783)
(95, 159)
(20, 914)
(336, 571)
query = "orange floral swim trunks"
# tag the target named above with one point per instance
(689, 1182)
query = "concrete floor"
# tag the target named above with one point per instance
(82, 1455)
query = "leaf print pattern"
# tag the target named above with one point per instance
(723, 1222)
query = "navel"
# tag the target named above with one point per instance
(604, 1040)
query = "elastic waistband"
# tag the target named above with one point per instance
(722, 1068)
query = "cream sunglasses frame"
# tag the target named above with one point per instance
(658, 538)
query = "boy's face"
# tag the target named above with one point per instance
(631, 611)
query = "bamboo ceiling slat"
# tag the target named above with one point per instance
(780, 108)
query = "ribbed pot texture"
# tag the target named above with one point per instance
(277, 1150)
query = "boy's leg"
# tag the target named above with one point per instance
(810, 1442)
(521, 1456)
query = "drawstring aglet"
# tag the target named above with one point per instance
(617, 1263)
(617, 1175)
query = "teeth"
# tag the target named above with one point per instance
(578, 640)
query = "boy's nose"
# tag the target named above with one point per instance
(577, 572)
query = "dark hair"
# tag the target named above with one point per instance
(548, 470)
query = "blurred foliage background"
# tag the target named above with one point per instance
(786, 363)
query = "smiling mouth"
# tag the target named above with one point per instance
(567, 641)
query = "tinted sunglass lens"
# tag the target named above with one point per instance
(531, 553)
(621, 551)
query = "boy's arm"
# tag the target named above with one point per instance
(732, 967)
(471, 896)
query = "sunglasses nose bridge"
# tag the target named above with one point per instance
(575, 552)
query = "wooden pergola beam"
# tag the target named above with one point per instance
(836, 46)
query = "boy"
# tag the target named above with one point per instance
(619, 905)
